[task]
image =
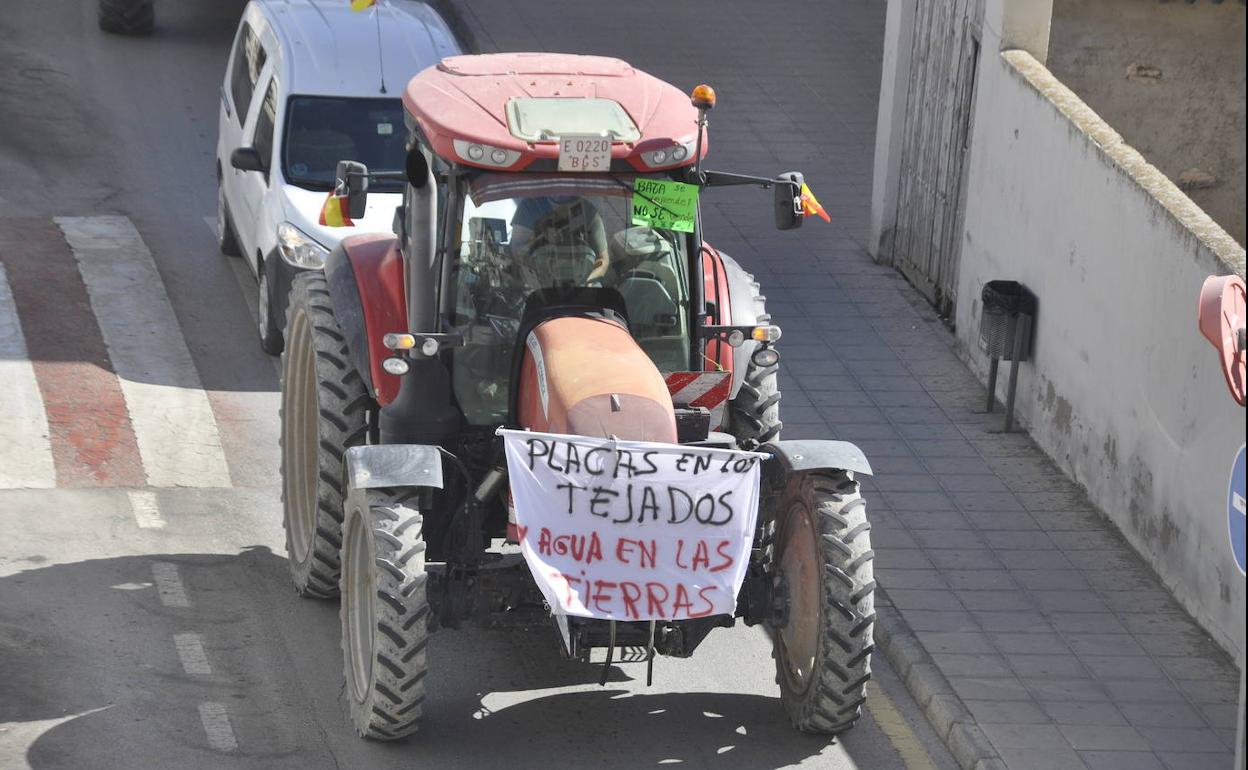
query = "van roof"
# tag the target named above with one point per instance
(330, 50)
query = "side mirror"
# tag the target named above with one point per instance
(788, 200)
(247, 159)
(353, 179)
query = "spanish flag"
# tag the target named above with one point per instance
(335, 212)
(362, 5)
(810, 205)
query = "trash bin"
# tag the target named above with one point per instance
(1005, 305)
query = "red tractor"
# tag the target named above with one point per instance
(548, 273)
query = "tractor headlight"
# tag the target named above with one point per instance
(667, 156)
(484, 155)
(298, 248)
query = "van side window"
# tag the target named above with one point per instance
(262, 141)
(249, 58)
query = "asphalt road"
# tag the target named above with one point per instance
(183, 645)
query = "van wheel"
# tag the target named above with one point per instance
(127, 17)
(227, 239)
(266, 308)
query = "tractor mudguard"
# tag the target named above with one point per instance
(374, 466)
(799, 455)
(365, 277)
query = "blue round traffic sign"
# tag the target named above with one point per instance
(1235, 509)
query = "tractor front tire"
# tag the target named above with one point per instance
(385, 614)
(324, 411)
(823, 559)
(127, 17)
(754, 415)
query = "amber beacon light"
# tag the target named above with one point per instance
(703, 97)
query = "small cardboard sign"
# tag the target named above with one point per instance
(632, 530)
(664, 204)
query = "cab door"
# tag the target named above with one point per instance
(253, 185)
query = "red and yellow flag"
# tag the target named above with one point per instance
(335, 212)
(810, 205)
(362, 5)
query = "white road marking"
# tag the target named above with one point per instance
(217, 725)
(172, 418)
(145, 509)
(190, 649)
(25, 451)
(169, 585)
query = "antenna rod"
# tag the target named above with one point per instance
(381, 67)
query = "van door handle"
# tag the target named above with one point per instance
(229, 113)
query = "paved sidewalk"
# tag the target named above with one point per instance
(1043, 641)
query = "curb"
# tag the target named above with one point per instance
(946, 712)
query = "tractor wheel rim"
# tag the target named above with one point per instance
(359, 608)
(800, 566)
(303, 441)
(262, 303)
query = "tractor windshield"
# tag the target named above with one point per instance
(518, 234)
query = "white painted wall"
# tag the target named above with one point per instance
(1122, 390)
(889, 127)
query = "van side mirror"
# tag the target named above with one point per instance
(788, 200)
(247, 159)
(352, 177)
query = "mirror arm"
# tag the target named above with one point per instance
(725, 179)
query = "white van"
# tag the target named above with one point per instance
(310, 83)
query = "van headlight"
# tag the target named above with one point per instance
(298, 248)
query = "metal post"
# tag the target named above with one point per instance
(993, 363)
(1021, 329)
(1239, 745)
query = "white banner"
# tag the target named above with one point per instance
(633, 530)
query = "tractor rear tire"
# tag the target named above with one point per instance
(754, 415)
(823, 555)
(127, 17)
(385, 614)
(324, 410)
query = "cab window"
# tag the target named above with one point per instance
(249, 59)
(262, 139)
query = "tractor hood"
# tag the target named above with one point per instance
(586, 376)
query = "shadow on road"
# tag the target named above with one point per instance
(92, 677)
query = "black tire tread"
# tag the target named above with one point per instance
(833, 701)
(754, 415)
(342, 408)
(392, 706)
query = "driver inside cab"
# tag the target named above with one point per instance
(559, 221)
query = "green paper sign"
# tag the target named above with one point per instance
(665, 205)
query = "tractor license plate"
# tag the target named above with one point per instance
(584, 153)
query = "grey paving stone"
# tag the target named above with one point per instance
(1012, 540)
(924, 599)
(1143, 691)
(995, 600)
(1072, 500)
(964, 558)
(1192, 643)
(986, 501)
(1220, 716)
(1085, 540)
(908, 578)
(989, 688)
(957, 465)
(1116, 667)
(1061, 521)
(1013, 621)
(1158, 622)
(1066, 690)
(1084, 713)
(919, 501)
(1201, 691)
(890, 539)
(1103, 644)
(1029, 644)
(1025, 736)
(1017, 712)
(982, 665)
(943, 448)
(1121, 760)
(939, 620)
(908, 482)
(1162, 715)
(1024, 559)
(901, 558)
(1196, 761)
(1062, 666)
(1104, 738)
(955, 642)
(988, 521)
(1086, 623)
(1149, 600)
(943, 520)
(1040, 580)
(941, 539)
(1064, 758)
(1183, 739)
(962, 482)
(974, 579)
(1069, 601)
(1198, 668)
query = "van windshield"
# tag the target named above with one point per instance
(322, 130)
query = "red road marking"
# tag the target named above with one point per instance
(92, 440)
